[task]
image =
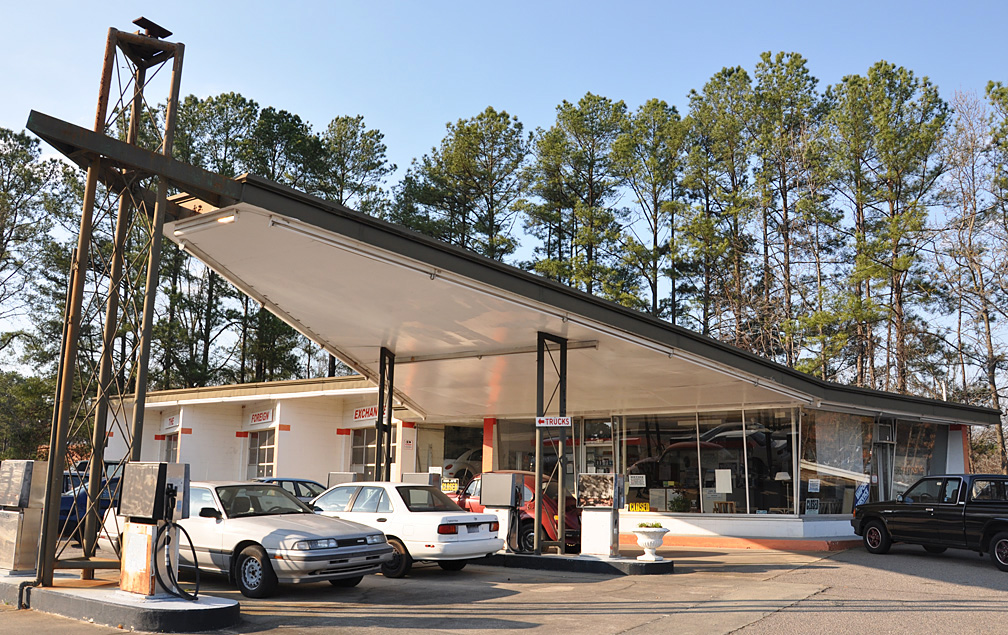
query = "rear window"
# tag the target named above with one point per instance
(423, 498)
(990, 490)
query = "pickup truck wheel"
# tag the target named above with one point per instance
(999, 550)
(254, 574)
(876, 537)
(934, 549)
(401, 562)
(452, 565)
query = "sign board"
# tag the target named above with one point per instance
(553, 422)
(636, 480)
(170, 422)
(638, 507)
(407, 444)
(813, 486)
(811, 506)
(262, 417)
(449, 485)
(365, 414)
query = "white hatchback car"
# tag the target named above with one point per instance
(260, 535)
(420, 522)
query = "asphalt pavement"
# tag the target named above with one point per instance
(712, 591)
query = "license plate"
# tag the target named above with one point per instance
(473, 529)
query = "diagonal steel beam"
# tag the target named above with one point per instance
(83, 146)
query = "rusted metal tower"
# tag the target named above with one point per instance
(115, 267)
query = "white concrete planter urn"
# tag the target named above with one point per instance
(649, 539)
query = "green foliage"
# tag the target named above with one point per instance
(25, 415)
(469, 190)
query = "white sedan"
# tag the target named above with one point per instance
(260, 535)
(421, 523)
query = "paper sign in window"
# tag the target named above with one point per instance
(722, 481)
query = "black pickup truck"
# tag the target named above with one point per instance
(962, 511)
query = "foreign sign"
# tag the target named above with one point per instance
(553, 422)
(365, 414)
(638, 507)
(170, 422)
(262, 417)
(449, 485)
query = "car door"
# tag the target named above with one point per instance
(307, 491)
(373, 508)
(336, 501)
(205, 532)
(947, 517)
(470, 499)
(911, 517)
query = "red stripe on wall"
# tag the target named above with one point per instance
(241, 434)
(159, 437)
(285, 427)
(342, 431)
(186, 430)
(109, 434)
(408, 424)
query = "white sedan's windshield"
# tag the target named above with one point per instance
(259, 499)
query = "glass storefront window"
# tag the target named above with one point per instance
(663, 450)
(770, 436)
(723, 447)
(835, 461)
(915, 452)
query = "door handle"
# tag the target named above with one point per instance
(929, 509)
(381, 520)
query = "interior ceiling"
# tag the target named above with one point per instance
(354, 299)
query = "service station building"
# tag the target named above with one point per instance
(710, 439)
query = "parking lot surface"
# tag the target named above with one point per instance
(725, 591)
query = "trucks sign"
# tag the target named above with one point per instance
(553, 422)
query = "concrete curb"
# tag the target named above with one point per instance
(108, 606)
(836, 543)
(578, 564)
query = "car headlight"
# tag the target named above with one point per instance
(376, 539)
(320, 543)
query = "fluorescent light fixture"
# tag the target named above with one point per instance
(191, 225)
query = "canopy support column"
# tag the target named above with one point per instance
(560, 391)
(383, 425)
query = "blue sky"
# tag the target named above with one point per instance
(410, 67)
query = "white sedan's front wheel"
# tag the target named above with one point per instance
(254, 574)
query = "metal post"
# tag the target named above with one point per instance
(68, 358)
(540, 408)
(98, 439)
(383, 424)
(154, 262)
(44, 564)
(561, 489)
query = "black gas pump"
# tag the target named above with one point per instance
(152, 493)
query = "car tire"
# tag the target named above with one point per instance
(526, 537)
(999, 550)
(401, 562)
(254, 573)
(347, 582)
(452, 565)
(935, 548)
(876, 537)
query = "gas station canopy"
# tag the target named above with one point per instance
(463, 328)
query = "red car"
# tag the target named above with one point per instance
(468, 498)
